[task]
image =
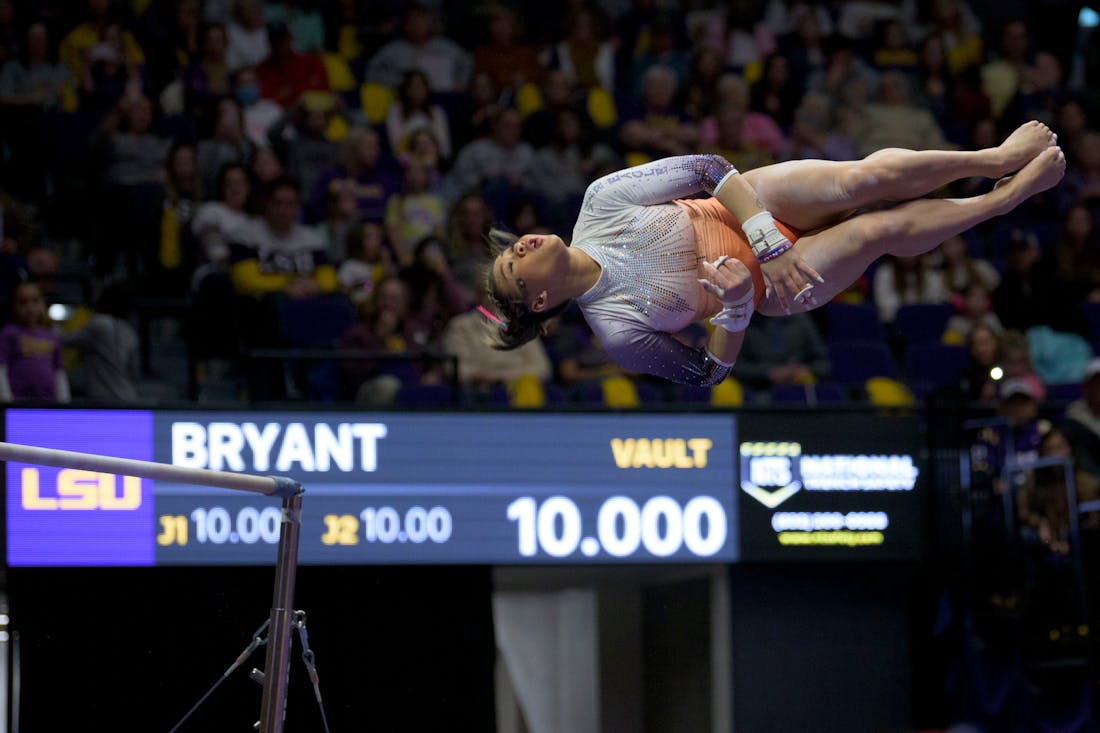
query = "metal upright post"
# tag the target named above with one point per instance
(281, 622)
(277, 666)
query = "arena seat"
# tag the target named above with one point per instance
(375, 100)
(931, 366)
(601, 109)
(852, 322)
(624, 393)
(426, 396)
(529, 99)
(888, 392)
(854, 362)
(729, 393)
(315, 322)
(340, 76)
(691, 394)
(1091, 313)
(918, 322)
(1064, 393)
(815, 393)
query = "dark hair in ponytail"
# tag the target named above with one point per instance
(520, 323)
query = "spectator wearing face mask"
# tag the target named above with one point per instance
(260, 115)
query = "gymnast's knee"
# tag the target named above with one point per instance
(885, 231)
(861, 180)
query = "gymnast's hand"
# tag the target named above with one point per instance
(790, 278)
(728, 280)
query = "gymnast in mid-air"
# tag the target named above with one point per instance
(645, 260)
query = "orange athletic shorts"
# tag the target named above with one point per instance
(718, 233)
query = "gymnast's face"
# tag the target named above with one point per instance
(527, 271)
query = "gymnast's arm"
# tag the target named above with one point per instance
(658, 182)
(640, 349)
(667, 179)
(662, 355)
(725, 346)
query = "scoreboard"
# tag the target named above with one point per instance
(474, 488)
(387, 488)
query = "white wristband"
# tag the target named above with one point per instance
(762, 234)
(732, 172)
(718, 361)
(735, 315)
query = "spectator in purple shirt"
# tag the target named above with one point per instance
(363, 170)
(30, 352)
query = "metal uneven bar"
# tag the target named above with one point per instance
(277, 668)
(271, 485)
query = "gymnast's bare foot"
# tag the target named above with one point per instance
(1026, 142)
(1044, 171)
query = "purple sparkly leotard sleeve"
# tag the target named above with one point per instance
(648, 287)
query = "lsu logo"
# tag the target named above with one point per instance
(770, 471)
(81, 490)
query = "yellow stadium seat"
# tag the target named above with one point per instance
(886, 392)
(729, 393)
(319, 100)
(375, 100)
(170, 255)
(526, 393)
(529, 99)
(851, 296)
(619, 393)
(601, 108)
(340, 78)
(70, 355)
(337, 129)
(805, 379)
(953, 338)
(348, 46)
(753, 72)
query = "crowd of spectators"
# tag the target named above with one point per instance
(324, 173)
(269, 163)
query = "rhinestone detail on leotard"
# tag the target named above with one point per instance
(649, 261)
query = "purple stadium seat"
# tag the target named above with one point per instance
(854, 362)
(921, 322)
(425, 396)
(315, 321)
(848, 322)
(1064, 392)
(931, 366)
(809, 394)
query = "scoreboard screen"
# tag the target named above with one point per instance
(504, 488)
(475, 488)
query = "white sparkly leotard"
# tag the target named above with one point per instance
(646, 247)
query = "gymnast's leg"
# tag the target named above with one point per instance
(842, 252)
(809, 194)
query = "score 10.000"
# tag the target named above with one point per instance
(660, 526)
(554, 527)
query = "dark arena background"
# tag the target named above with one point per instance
(250, 237)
